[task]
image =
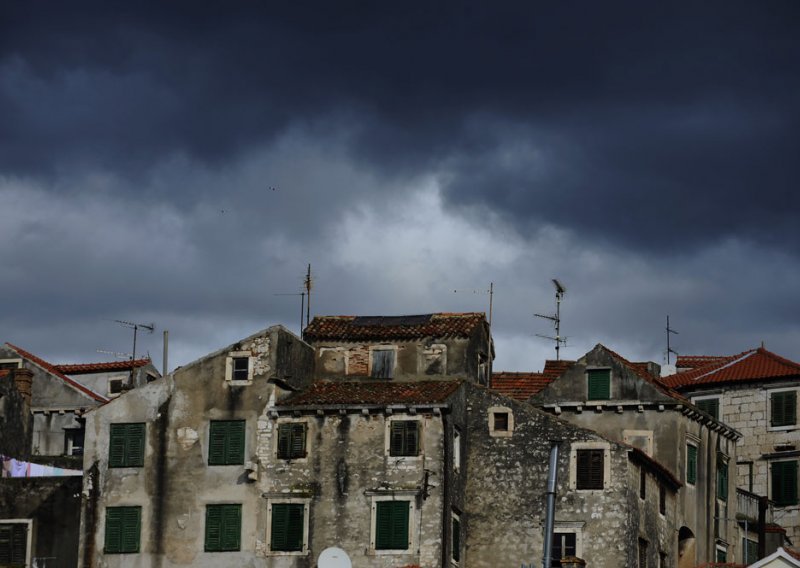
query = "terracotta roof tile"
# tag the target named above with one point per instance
(641, 369)
(694, 361)
(755, 365)
(53, 371)
(107, 367)
(355, 328)
(523, 385)
(374, 393)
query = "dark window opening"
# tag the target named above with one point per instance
(784, 483)
(292, 441)
(13, 544)
(691, 464)
(642, 483)
(642, 553)
(287, 527)
(456, 543)
(241, 368)
(501, 421)
(391, 525)
(590, 472)
(722, 479)
(115, 386)
(563, 546)
(404, 438)
(74, 439)
(662, 500)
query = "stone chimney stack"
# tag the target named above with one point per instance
(23, 379)
(572, 562)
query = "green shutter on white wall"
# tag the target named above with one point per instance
(691, 463)
(783, 408)
(598, 384)
(126, 445)
(287, 527)
(226, 442)
(123, 527)
(391, 525)
(223, 528)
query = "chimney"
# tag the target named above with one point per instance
(572, 562)
(23, 378)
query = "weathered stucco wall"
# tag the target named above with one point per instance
(15, 419)
(176, 483)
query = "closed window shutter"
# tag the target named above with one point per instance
(400, 525)
(116, 456)
(234, 453)
(113, 530)
(131, 527)
(231, 527)
(722, 481)
(456, 540)
(287, 527)
(404, 438)
(691, 464)
(13, 544)
(213, 528)
(784, 483)
(391, 525)
(294, 537)
(397, 437)
(599, 384)
(383, 525)
(590, 469)
(280, 524)
(135, 445)
(5, 543)
(412, 439)
(216, 444)
(382, 363)
(783, 408)
(298, 440)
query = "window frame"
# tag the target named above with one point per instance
(382, 348)
(642, 483)
(641, 550)
(131, 455)
(229, 367)
(692, 461)
(121, 379)
(456, 539)
(579, 447)
(770, 410)
(129, 513)
(569, 527)
(410, 502)
(292, 426)
(494, 432)
(70, 445)
(717, 398)
(722, 477)
(223, 508)
(389, 438)
(589, 385)
(28, 524)
(292, 501)
(792, 500)
(226, 429)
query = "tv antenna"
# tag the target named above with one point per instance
(490, 291)
(116, 354)
(556, 319)
(670, 349)
(150, 328)
(307, 284)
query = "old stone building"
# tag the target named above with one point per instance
(755, 392)
(626, 402)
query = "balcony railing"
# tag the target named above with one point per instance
(748, 507)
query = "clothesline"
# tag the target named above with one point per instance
(18, 468)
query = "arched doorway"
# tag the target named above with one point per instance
(686, 545)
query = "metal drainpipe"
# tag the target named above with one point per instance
(549, 519)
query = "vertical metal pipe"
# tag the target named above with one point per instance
(165, 358)
(549, 519)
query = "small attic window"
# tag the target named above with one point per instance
(501, 422)
(238, 367)
(115, 386)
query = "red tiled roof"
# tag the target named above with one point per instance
(107, 367)
(755, 365)
(641, 369)
(377, 393)
(694, 361)
(523, 385)
(354, 328)
(53, 371)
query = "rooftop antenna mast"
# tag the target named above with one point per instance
(556, 319)
(116, 354)
(135, 327)
(490, 291)
(670, 350)
(307, 283)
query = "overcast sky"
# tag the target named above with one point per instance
(182, 163)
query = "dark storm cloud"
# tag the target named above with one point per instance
(652, 127)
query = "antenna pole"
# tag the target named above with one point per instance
(558, 325)
(302, 309)
(670, 350)
(308, 291)
(491, 297)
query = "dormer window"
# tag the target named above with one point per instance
(598, 384)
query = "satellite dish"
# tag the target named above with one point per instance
(334, 557)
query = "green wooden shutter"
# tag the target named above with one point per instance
(216, 443)
(412, 438)
(709, 406)
(298, 444)
(391, 525)
(116, 450)
(134, 451)
(396, 438)
(284, 441)
(691, 464)
(234, 452)
(13, 544)
(131, 528)
(456, 552)
(231, 527)
(599, 384)
(783, 411)
(722, 480)
(213, 528)
(784, 483)
(280, 522)
(113, 530)
(294, 532)
(287, 527)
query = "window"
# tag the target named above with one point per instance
(288, 527)
(642, 483)
(74, 438)
(404, 438)
(749, 551)
(382, 363)
(784, 483)
(455, 527)
(226, 442)
(10, 364)
(115, 386)
(292, 440)
(709, 405)
(783, 408)
(14, 544)
(691, 464)
(392, 525)
(501, 422)
(126, 448)
(238, 367)
(456, 449)
(598, 384)
(123, 525)
(642, 553)
(223, 527)
(483, 368)
(722, 478)
(722, 554)
(564, 544)
(662, 499)
(590, 469)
